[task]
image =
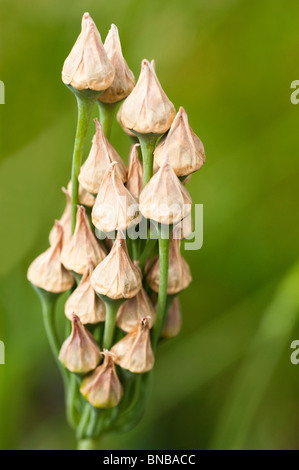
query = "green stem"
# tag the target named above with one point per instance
(107, 111)
(88, 444)
(147, 251)
(111, 312)
(86, 103)
(147, 144)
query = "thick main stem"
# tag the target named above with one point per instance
(88, 444)
(147, 144)
(85, 107)
(107, 111)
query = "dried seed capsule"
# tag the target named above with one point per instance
(101, 155)
(134, 351)
(173, 323)
(85, 198)
(124, 79)
(64, 221)
(183, 148)
(84, 302)
(87, 66)
(102, 387)
(135, 173)
(80, 352)
(83, 245)
(147, 109)
(117, 277)
(131, 312)
(115, 207)
(47, 272)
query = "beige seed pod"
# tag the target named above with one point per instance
(134, 351)
(82, 246)
(135, 173)
(64, 221)
(87, 66)
(119, 120)
(124, 79)
(173, 323)
(47, 272)
(84, 302)
(117, 277)
(179, 276)
(80, 352)
(101, 155)
(183, 229)
(102, 387)
(147, 109)
(164, 199)
(115, 207)
(133, 310)
(183, 148)
(85, 198)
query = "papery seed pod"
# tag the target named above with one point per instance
(47, 272)
(133, 310)
(183, 229)
(85, 198)
(134, 351)
(147, 109)
(80, 352)
(87, 66)
(124, 79)
(102, 387)
(64, 221)
(164, 199)
(173, 323)
(115, 207)
(119, 120)
(179, 276)
(101, 155)
(183, 148)
(84, 302)
(117, 277)
(135, 173)
(82, 246)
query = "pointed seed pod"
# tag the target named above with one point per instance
(47, 272)
(87, 66)
(85, 198)
(183, 229)
(164, 199)
(64, 221)
(101, 155)
(125, 129)
(117, 277)
(147, 109)
(134, 351)
(133, 310)
(102, 388)
(173, 323)
(80, 352)
(124, 79)
(83, 245)
(84, 302)
(115, 207)
(135, 173)
(179, 276)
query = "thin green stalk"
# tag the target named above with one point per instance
(86, 103)
(88, 444)
(147, 144)
(111, 312)
(147, 251)
(107, 112)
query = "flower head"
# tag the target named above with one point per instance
(80, 352)
(133, 310)
(47, 272)
(135, 173)
(87, 66)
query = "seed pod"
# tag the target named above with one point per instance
(164, 199)
(84, 302)
(47, 272)
(82, 246)
(147, 109)
(64, 221)
(133, 310)
(102, 387)
(173, 323)
(119, 120)
(179, 276)
(135, 173)
(183, 148)
(134, 351)
(87, 66)
(85, 198)
(117, 277)
(101, 155)
(124, 79)
(183, 229)
(115, 207)
(80, 352)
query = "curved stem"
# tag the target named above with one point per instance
(107, 111)
(149, 246)
(147, 144)
(111, 312)
(88, 444)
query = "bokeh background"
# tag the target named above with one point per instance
(227, 381)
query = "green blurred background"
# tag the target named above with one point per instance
(227, 380)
